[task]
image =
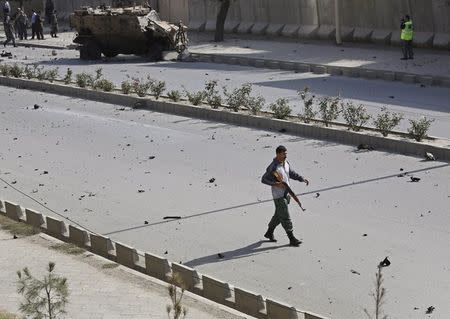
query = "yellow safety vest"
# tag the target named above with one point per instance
(407, 31)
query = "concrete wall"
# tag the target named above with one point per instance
(206, 286)
(361, 20)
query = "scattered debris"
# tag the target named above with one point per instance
(430, 310)
(211, 180)
(363, 146)
(401, 169)
(283, 130)
(429, 156)
(391, 97)
(220, 255)
(54, 52)
(36, 106)
(364, 235)
(141, 191)
(5, 54)
(45, 172)
(414, 179)
(172, 217)
(166, 252)
(317, 195)
(151, 157)
(14, 236)
(289, 288)
(354, 272)
(13, 182)
(385, 262)
(145, 222)
(401, 175)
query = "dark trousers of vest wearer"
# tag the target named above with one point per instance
(33, 30)
(281, 215)
(407, 49)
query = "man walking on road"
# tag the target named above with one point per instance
(407, 37)
(280, 167)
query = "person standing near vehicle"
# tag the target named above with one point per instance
(33, 24)
(281, 169)
(54, 25)
(407, 33)
(39, 26)
(9, 31)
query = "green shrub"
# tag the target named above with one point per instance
(41, 74)
(68, 77)
(51, 75)
(354, 116)
(212, 94)
(238, 98)
(30, 72)
(5, 69)
(104, 85)
(419, 128)
(141, 86)
(308, 102)
(16, 71)
(281, 108)
(329, 109)
(255, 104)
(126, 87)
(195, 98)
(387, 121)
(83, 79)
(174, 95)
(157, 88)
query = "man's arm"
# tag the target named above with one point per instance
(295, 176)
(268, 178)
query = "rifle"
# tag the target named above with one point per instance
(288, 188)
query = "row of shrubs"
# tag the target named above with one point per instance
(329, 108)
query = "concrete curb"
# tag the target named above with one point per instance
(439, 147)
(198, 284)
(387, 75)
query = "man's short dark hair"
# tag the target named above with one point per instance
(407, 16)
(280, 149)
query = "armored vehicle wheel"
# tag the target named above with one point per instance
(155, 52)
(109, 53)
(94, 50)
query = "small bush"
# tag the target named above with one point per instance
(104, 85)
(176, 310)
(329, 109)
(255, 104)
(195, 98)
(387, 121)
(157, 88)
(174, 95)
(141, 86)
(68, 77)
(419, 128)
(83, 79)
(41, 74)
(212, 94)
(355, 116)
(126, 87)
(16, 71)
(51, 75)
(281, 108)
(30, 73)
(308, 102)
(5, 69)
(238, 98)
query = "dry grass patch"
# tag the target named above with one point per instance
(68, 249)
(7, 315)
(17, 228)
(110, 265)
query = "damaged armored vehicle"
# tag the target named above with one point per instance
(125, 30)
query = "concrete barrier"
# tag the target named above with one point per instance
(217, 291)
(441, 41)
(277, 15)
(189, 277)
(57, 228)
(310, 315)
(157, 267)
(212, 8)
(2, 208)
(13, 211)
(233, 18)
(409, 78)
(261, 16)
(249, 302)
(126, 255)
(247, 16)
(278, 310)
(78, 236)
(319, 69)
(33, 218)
(101, 245)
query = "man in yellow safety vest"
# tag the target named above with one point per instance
(407, 38)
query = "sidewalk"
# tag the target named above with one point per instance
(349, 59)
(94, 291)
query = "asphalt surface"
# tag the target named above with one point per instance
(411, 100)
(359, 211)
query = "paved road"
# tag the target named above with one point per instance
(98, 157)
(411, 100)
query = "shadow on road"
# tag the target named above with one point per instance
(247, 251)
